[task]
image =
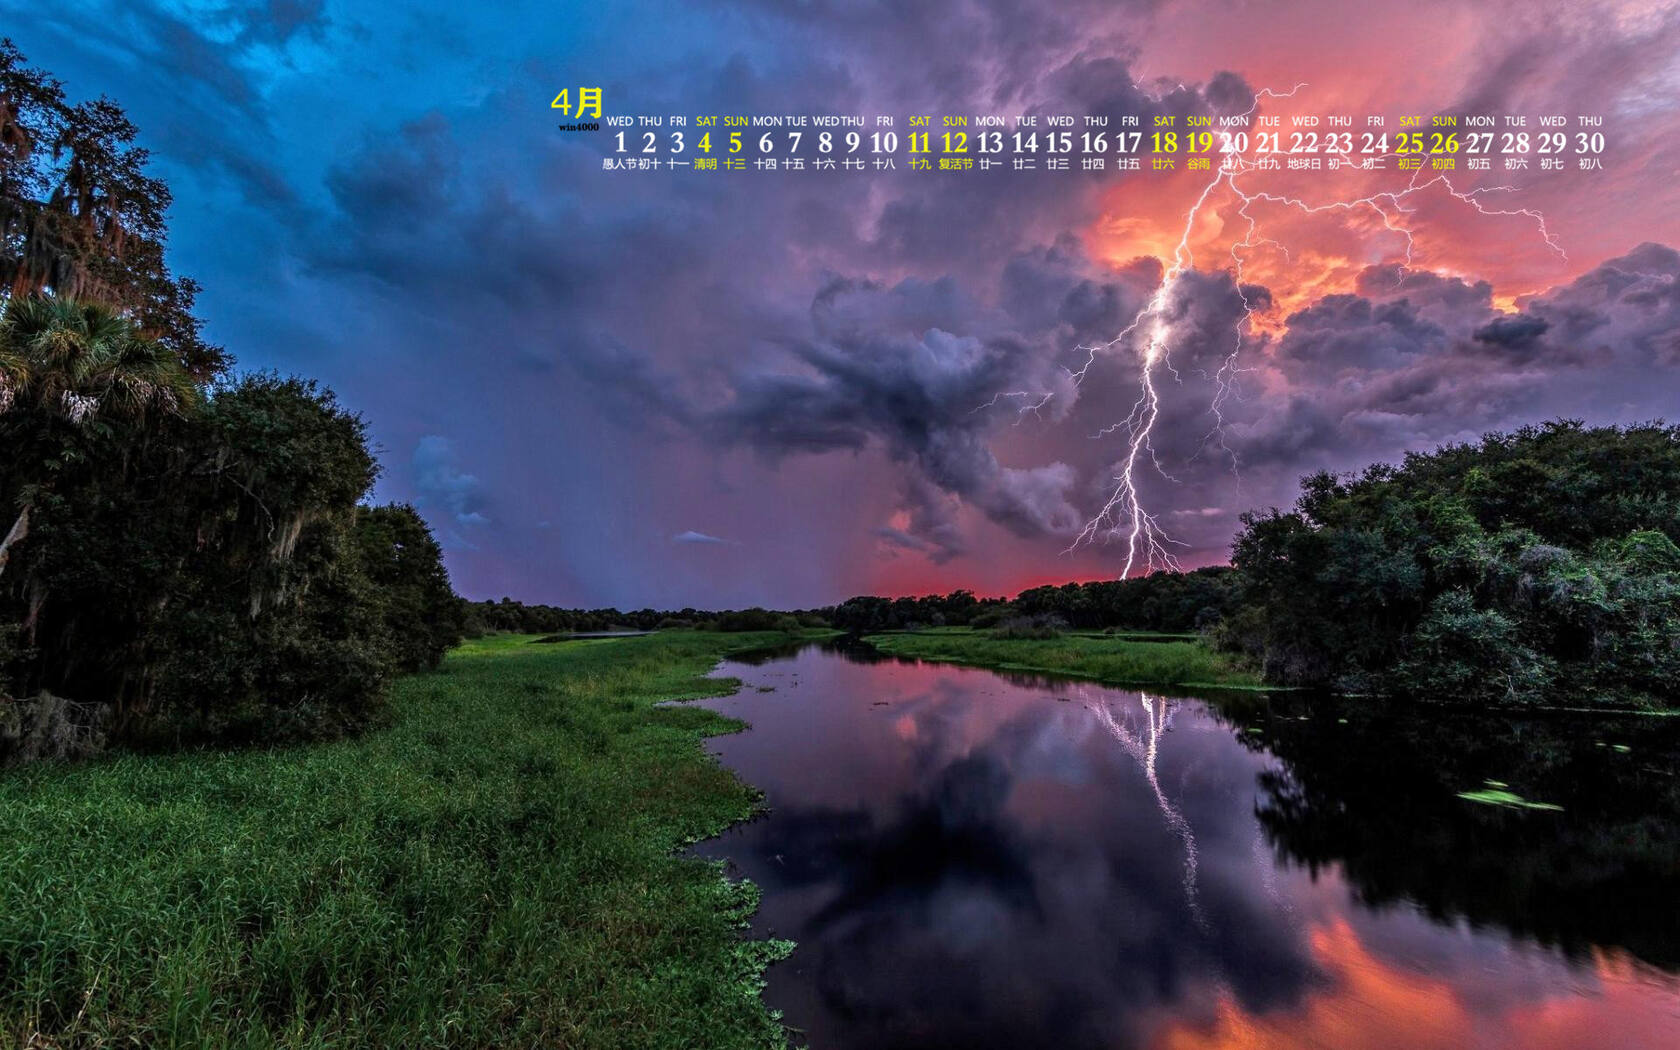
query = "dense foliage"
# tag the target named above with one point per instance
(182, 556)
(1162, 601)
(1536, 565)
(867, 613)
(480, 618)
(188, 562)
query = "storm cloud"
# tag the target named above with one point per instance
(866, 379)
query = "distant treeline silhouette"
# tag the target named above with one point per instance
(507, 614)
(1164, 601)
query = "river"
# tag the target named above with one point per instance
(967, 859)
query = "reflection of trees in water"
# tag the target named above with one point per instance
(1157, 719)
(850, 648)
(1378, 797)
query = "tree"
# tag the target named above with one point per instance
(81, 219)
(65, 367)
(423, 618)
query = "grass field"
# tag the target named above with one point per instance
(1120, 660)
(497, 869)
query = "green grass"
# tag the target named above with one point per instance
(1113, 659)
(497, 869)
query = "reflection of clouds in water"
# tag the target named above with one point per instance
(1157, 719)
(968, 861)
(1000, 874)
(1376, 1003)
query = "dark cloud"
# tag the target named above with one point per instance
(1512, 332)
(877, 368)
(1627, 307)
(1055, 289)
(442, 484)
(199, 99)
(911, 542)
(278, 21)
(989, 53)
(1350, 333)
(932, 522)
(1424, 357)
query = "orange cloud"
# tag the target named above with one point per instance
(1373, 1004)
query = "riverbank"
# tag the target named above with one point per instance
(497, 869)
(1137, 659)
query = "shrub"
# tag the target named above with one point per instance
(1043, 625)
(754, 619)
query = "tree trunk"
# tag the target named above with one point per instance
(20, 529)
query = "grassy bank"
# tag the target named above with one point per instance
(1118, 660)
(495, 870)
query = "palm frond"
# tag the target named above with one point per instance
(79, 358)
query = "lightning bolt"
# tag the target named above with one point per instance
(1148, 546)
(1146, 749)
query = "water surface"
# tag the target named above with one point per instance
(969, 860)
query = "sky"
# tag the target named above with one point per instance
(669, 389)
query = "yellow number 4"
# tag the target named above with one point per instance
(588, 99)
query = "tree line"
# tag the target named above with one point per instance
(479, 618)
(1164, 601)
